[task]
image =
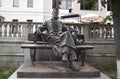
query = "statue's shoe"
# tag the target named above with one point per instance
(65, 58)
(74, 66)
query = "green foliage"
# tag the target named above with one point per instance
(5, 74)
(107, 18)
(88, 4)
(86, 1)
(79, 1)
(103, 2)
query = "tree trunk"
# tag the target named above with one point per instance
(116, 20)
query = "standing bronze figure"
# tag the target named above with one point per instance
(61, 39)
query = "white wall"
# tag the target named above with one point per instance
(22, 12)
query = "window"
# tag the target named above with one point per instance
(15, 20)
(15, 3)
(65, 4)
(0, 3)
(29, 3)
(55, 3)
(89, 5)
(29, 20)
(108, 5)
(2, 18)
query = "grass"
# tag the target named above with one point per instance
(5, 74)
(110, 71)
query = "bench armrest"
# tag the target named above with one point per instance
(33, 37)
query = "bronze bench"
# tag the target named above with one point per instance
(38, 43)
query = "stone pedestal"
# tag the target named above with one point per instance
(56, 69)
(52, 71)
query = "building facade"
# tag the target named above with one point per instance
(40, 10)
(21, 10)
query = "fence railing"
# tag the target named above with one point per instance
(21, 29)
(95, 30)
(101, 31)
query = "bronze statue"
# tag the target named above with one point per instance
(61, 39)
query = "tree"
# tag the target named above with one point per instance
(116, 21)
(115, 5)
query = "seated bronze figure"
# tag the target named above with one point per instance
(61, 39)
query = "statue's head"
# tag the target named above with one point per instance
(55, 13)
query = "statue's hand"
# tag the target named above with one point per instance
(37, 32)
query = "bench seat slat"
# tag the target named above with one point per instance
(35, 46)
(85, 46)
(49, 46)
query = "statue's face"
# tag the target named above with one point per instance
(55, 13)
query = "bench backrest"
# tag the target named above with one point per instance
(35, 38)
